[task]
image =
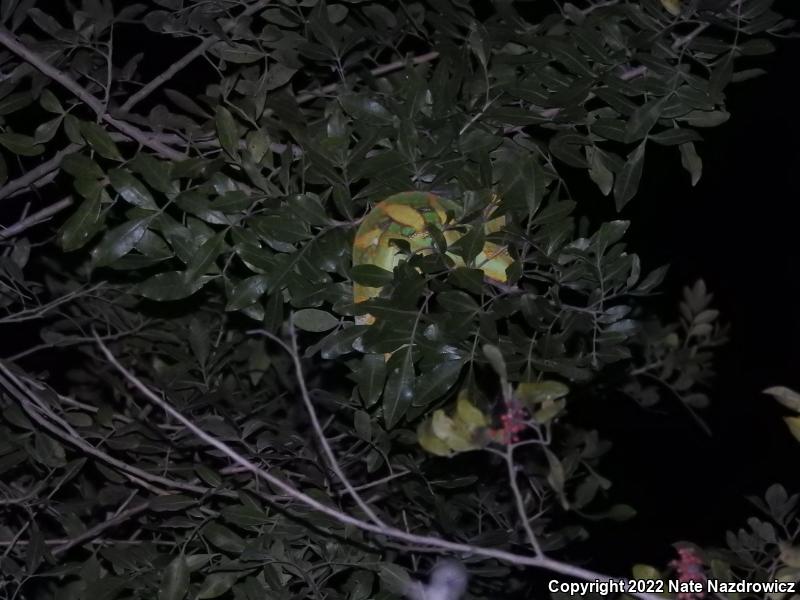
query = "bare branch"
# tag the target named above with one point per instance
(34, 410)
(34, 175)
(326, 447)
(523, 515)
(376, 72)
(181, 63)
(35, 218)
(10, 41)
(425, 543)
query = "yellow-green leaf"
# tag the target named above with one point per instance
(794, 426)
(645, 572)
(429, 442)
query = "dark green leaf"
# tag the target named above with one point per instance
(170, 285)
(247, 292)
(21, 145)
(643, 119)
(174, 580)
(99, 140)
(434, 385)
(691, 161)
(399, 392)
(119, 241)
(81, 226)
(205, 256)
(627, 183)
(370, 377)
(226, 131)
(372, 275)
(131, 189)
(315, 320)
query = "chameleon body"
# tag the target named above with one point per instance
(406, 216)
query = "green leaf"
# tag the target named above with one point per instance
(170, 285)
(174, 580)
(100, 141)
(495, 358)
(171, 503)
(627, 183)
(50, 103)
(216, 584)
(434, 384)
(788, 397)
(691, 161)
(599, 172)
(457, 301)
(470, 244)
(205, 256)
(365, 109)
(81, 166)
(394, 579)
(21, 145)
(226, 131)
(556, 477)
(131, 189)
(645, 572)
(372, 275)
(399, 392)
(157, 173)
(46, 131)
(14, 102)
(793, 423)
(706, 118)
(643, 119)
(370, 377)
(247, 292)
(675, 136)
(119, 241)
(81, 226)
(315, 320)
(362, 425)
(223, 538)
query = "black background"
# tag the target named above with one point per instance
(737, 229)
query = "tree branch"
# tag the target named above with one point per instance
(181, 63)
(34, 175)
(426, 543)
(35, 218)
(326, 447)
(10, 41)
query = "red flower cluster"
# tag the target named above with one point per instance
(689, 567)
(512, 424)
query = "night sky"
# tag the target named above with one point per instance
(737, 229)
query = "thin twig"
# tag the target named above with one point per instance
(181, 63)
(376, 72)
(10, 41)
(425, 543)
(35, 218)
(31, 177)
(326, 447)
(523, 515)
(33, 411)
(101, 527)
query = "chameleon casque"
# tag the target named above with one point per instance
(406, 216)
